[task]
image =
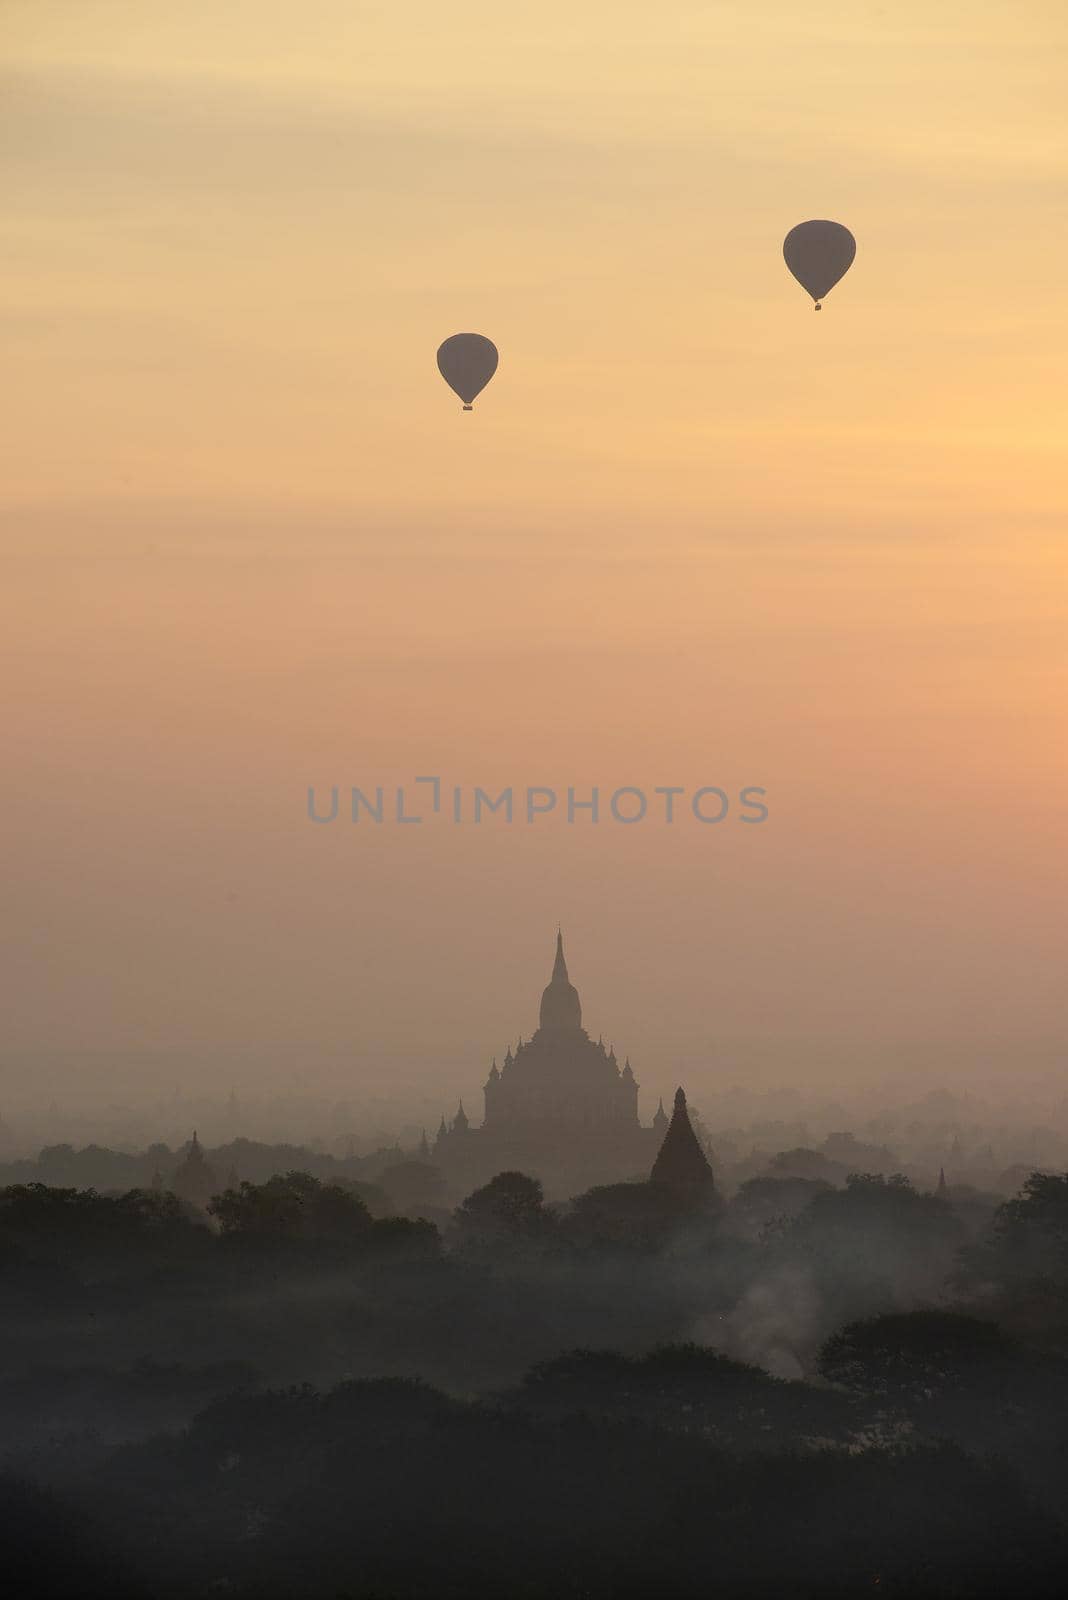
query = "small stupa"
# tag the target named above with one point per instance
(681, 1164)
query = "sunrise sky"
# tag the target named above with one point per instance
(691, 534)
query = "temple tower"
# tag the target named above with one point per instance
(560, 1006)
(681, 1164)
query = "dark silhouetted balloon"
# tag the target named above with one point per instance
(467, 362)
(818, 254)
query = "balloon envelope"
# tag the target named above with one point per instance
(818, 254)
(467, 362)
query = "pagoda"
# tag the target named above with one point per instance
(681, 1163)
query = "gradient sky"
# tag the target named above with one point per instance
(691, 534)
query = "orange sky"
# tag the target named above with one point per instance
(691, 534)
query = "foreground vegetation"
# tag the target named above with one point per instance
(809, 1391)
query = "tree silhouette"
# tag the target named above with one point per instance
(1027, 1241)
(506, 1212)
(293, 1206)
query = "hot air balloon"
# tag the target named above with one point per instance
(467, 362)
(818, 254)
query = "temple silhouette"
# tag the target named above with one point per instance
(194, 1180)
(681, 1164)
(561, 1108)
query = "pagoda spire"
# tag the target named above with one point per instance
(681, 1163)
(560, 1006)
